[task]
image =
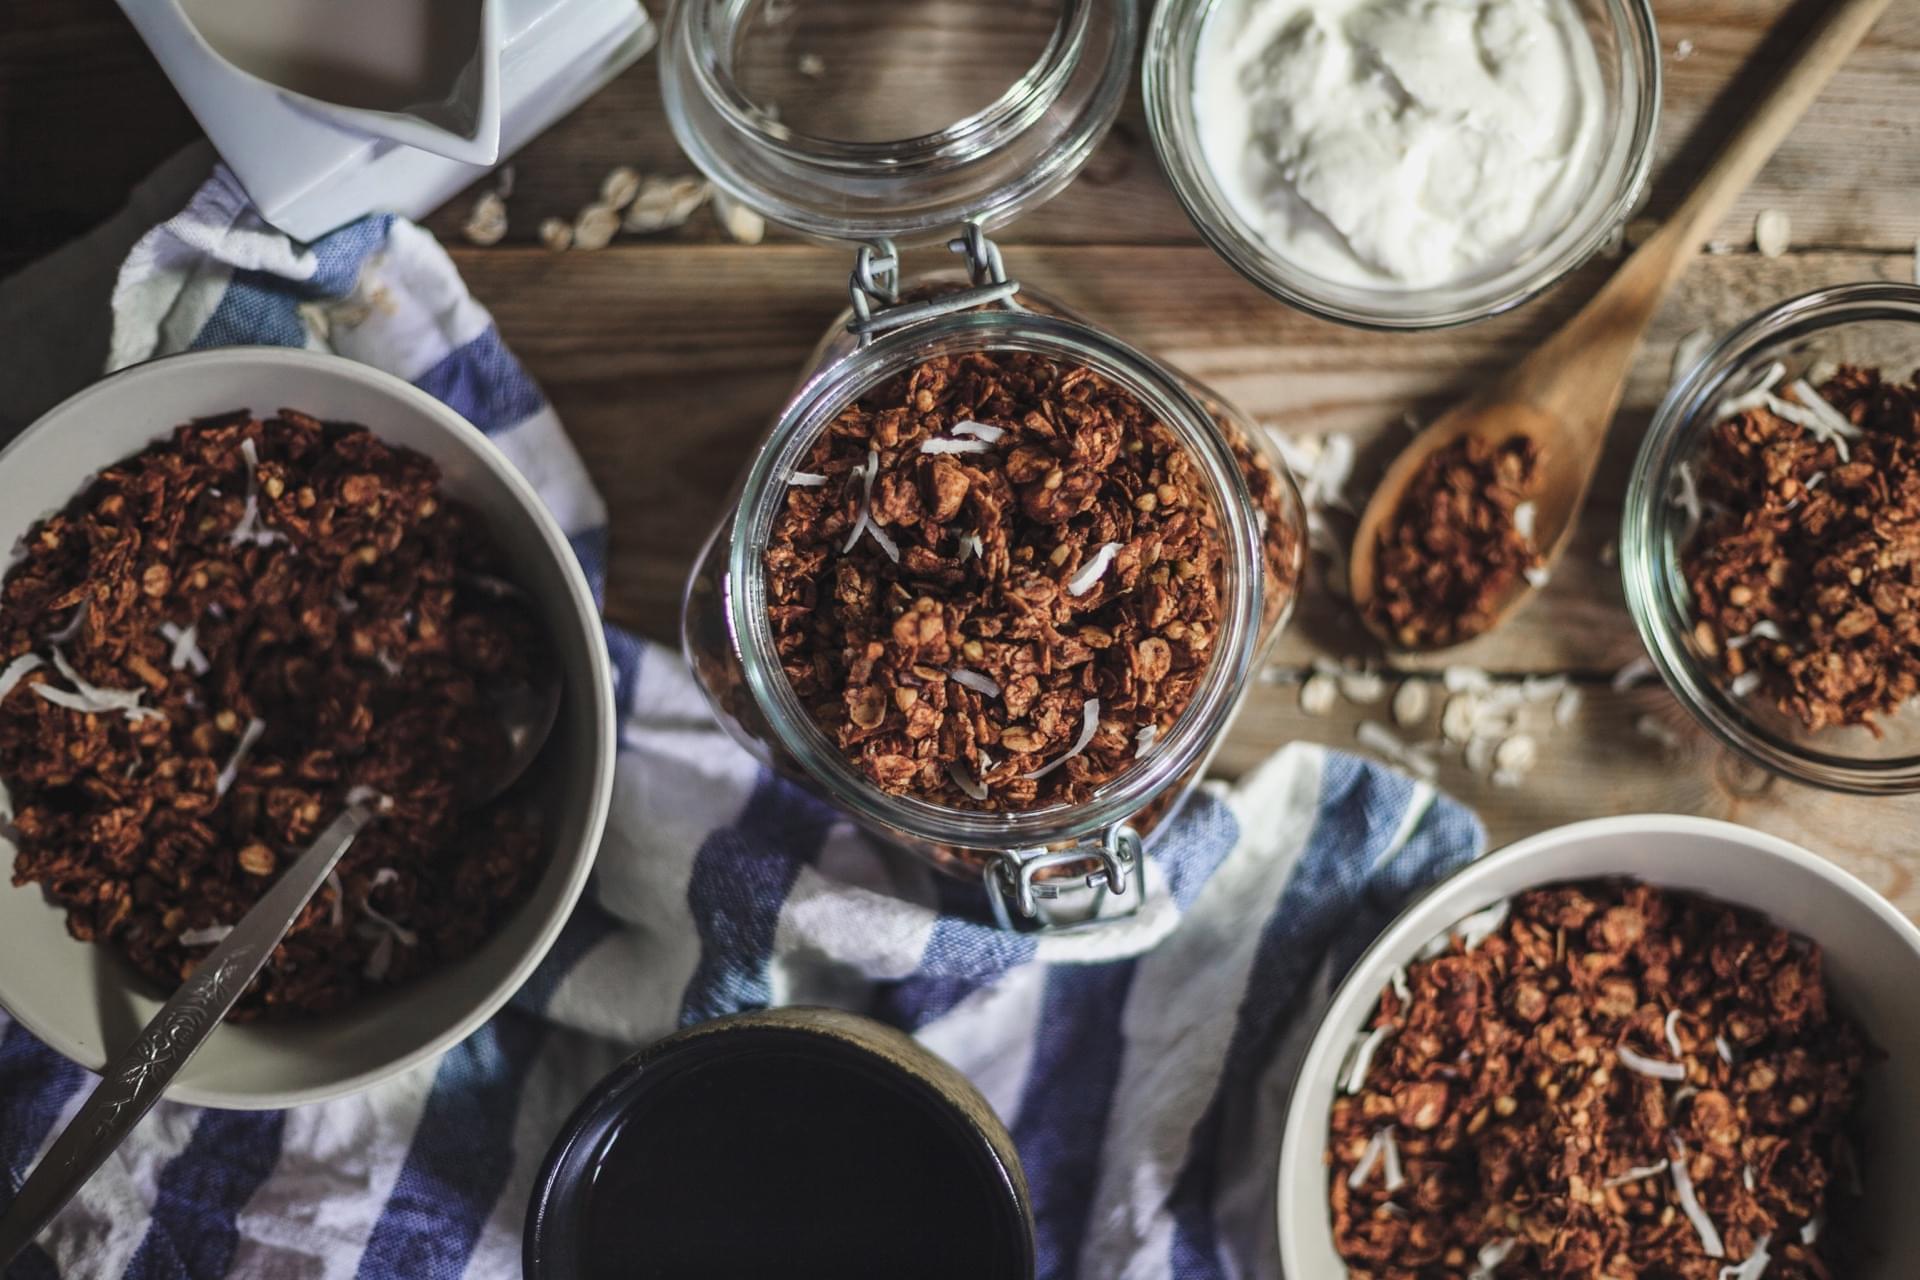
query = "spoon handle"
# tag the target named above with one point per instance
(1840, 27)
(132, 1082)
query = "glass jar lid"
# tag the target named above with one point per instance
(856, 119)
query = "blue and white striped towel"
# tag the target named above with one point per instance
(1141, 1070)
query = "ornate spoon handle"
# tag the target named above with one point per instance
(131, 1083)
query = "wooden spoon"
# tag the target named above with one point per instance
(1565, 393)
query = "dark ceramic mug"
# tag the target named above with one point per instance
(792, 1142)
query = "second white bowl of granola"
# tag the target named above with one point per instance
(1871, 957)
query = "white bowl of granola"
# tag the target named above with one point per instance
(406, 994)
(1355, 1082)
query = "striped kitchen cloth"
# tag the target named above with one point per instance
(1141, 1069)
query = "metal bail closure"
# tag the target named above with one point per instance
(1014, 888)
(874, 287)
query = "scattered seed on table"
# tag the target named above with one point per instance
(1411, 702)
(1772, 232)
(1319, 694)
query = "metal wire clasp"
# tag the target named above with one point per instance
(1013, 874)
(874, 287)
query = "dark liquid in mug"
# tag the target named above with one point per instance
(791, 1161)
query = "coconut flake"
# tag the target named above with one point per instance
(971, 545)
(1143, 741)
(1377, 737)
(229, 775)
(1744, 683)
(1089, 725)
(1639, 670)
(966, 781)
(1093, 570)
(211, 936)
(381, 803)
(956, 446)
(1746, 1176)
(1634, 1174)
(1491, 1255)
(1756, 1264)
(1537, 577)
(1650, 1066)
(1761, 630)
(984, 430)
(1652, 726)
(1376, 1147)
(1362, 687)
(1724, 1049)
(1687, 352)
(1684, 492)
(1833, 421)
(1466, 680)
(91, 698)
(405, 936)
(1810, 1229)
(17, 670)
(867, 474)
(72, 629)
(1482, 924)
(1525, 516)
(1368, 1045)
(975, 681)
(1396, 1177)
(1398, 981)
(806, 480)
(381, 960)
(186, 648)
(1673, 1034)
(1689, 1202)
(249, 529)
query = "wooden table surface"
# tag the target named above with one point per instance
(665, 356)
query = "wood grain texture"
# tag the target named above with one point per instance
(667, 365)
(84, 111)
(666, 357)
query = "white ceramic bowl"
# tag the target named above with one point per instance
(84, 999)
(1872, 963)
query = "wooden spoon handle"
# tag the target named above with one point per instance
(1579, 373)
(1841, 27)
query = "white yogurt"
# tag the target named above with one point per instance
(1399, 144)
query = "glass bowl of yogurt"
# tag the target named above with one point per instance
(1404, 164)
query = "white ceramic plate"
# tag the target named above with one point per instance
(1872, 963)
(85, 1000)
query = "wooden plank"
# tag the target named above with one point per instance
(1602, 764)
(1846, 176)
(667, 363)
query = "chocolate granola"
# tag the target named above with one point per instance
(208, 648)
(996, 581)
(1805, 569)
(1458, 545)
(1599, 1080)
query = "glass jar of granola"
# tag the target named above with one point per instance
(994, 582)
(1771, 533)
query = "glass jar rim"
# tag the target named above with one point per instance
(1010, 155)
(1650, 576)
(1184, 748)
(1173, 34)
(1016, 107)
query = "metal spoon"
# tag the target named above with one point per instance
(132, 1082)
(1565, 393)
